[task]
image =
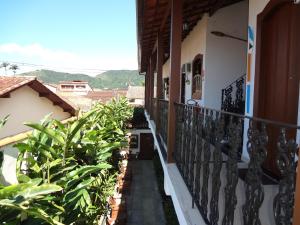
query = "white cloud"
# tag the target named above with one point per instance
(64, 61)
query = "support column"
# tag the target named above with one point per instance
(175, 70)
(296, 219)
(151, 73)
(159, 67)
(147, 91)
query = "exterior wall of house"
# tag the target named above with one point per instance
(24, 105)
(255, 7)
(226, 58)
(193, 44)
(8, 171)
(138, 132)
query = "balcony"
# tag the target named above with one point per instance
(237, 169)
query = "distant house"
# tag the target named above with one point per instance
(76, 87)
(82, 95)
(52, 87)
(136, 95)
(25, 99)
(105, 95)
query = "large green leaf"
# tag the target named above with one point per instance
(33, 211)
(50, 132)
(76, 126)
(14, 190)
(36, 191)
(3, 121)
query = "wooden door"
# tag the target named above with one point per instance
(278, 72)
(146, 146)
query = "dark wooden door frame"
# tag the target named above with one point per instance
(272, 5)
(182, 88)
(146, 146)
(198, 57)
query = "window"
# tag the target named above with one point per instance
(197, 77)
(166, 87)
(80, 86)
(65, 86)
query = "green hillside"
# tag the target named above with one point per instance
(110, 79)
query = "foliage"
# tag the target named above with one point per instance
(79, 157)
(3, 121)
(138, 119)
(14, 68)
(27, 198)
(110, 79)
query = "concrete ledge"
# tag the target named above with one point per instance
(176, 188)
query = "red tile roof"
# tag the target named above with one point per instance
(10, 84)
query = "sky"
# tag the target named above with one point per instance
(76, 36)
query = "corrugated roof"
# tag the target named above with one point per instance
(10, 84)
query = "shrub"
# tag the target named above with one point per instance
(76, 157)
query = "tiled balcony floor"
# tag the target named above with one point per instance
(144, 204)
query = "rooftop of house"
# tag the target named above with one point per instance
(10, 84)
(105, 95)
(73, 82)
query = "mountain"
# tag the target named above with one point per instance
(110, 79)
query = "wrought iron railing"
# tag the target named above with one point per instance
(233, 96)
(163, 120)
(226, 190)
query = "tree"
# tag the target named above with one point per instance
(14, 68)
(4, 65)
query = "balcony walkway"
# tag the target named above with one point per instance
(144, 203)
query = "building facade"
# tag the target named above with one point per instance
(24, 99)
(222, 96)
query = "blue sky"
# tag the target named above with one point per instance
(69, 34)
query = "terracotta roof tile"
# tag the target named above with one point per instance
(7, 84)
(105, 95)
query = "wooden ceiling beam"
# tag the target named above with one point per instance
(57, 103)
(44, 94)
(5, 95)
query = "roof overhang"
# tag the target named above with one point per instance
(43, 92)
(153, 16)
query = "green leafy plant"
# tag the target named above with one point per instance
(25, 199)
(79, 157)
(3, 121)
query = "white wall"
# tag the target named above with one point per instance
(24, 105)
(8, 171)
(138, 132)
(226, 58)
(255, 7)
(192, 45)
